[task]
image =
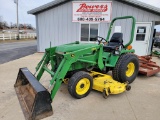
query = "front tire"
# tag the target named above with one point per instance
(126, 68)
(80, 84)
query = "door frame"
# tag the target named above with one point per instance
(151, 38)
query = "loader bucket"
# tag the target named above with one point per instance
(34, 98)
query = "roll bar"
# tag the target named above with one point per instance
(132, 30)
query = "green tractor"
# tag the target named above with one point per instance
(80, 66)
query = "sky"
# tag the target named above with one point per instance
(8, 10)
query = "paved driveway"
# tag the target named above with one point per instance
(15, 50)
(142, 102)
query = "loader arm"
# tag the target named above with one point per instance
(65, 64)
(34, 98)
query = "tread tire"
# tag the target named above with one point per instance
(73, 82)
(119, 72)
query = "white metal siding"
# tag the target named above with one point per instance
(56, 24)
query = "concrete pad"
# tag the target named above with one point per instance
(140, 103)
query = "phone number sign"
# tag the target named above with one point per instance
(92, 11)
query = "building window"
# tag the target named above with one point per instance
(89, 32)
(141, 33)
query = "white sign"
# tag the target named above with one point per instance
(141, 31)
(94, 11)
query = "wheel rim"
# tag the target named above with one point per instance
(130, 69)
(82, 86)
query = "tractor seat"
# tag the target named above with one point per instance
(115, 42)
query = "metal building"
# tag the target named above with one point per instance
(55, 24)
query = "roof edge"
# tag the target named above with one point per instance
(142, 5)
(55, 3)
(46, 6)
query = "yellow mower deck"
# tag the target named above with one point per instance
(105, 84)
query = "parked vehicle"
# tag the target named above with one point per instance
(157, 42)
(73, 64)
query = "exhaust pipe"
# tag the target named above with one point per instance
(33, 97)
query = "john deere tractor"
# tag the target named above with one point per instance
(83, 67)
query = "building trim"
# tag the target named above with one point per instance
(56, 3)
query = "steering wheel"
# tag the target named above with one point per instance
(100, 40)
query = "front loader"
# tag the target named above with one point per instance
(83, 67)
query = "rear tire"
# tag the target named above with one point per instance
(116, 69)
(80, 84)
(126, 68)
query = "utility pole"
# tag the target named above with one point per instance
(17, 22)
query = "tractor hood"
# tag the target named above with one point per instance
(74, 47)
